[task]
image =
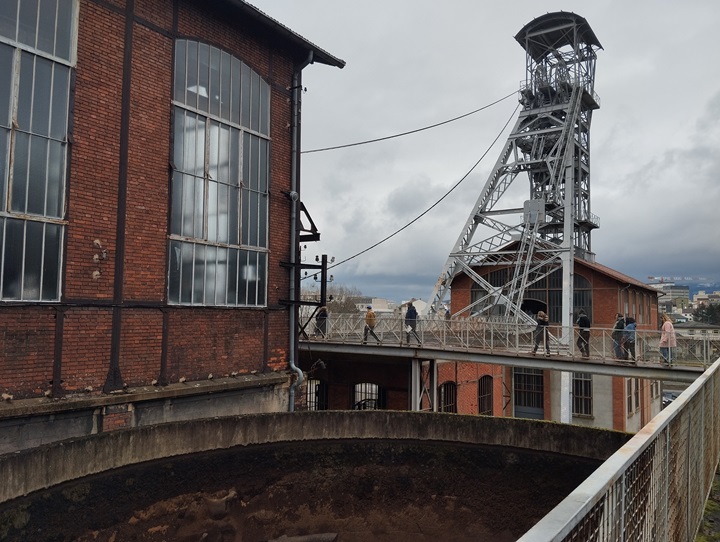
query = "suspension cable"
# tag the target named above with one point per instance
(411, 131)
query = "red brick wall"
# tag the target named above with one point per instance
(24, 368)
(94, 168)
(607, 301)
(145, 253)
(393, 378)
(199, 341)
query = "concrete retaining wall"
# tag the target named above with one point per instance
(31, 470)
(31, 423)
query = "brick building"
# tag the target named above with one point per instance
(625, 404)
(149, 151)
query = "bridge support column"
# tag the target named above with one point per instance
(423, 384)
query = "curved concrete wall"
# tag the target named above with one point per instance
(46, 466)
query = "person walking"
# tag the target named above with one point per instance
(617, 335)
(541, 333)
(583, 341)
(321, 322)
(411, 316)
(370, 321)
(629, 338)
(668, 341)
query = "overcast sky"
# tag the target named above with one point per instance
(655, 141)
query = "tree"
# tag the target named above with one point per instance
(707, 314)
(341, 299)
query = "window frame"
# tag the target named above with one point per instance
(367, 396)
(316, 394)
(485, 395)
(447, 397)
(582, 395)
(218, 243)
(34, 135)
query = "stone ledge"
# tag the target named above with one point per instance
(84, 401)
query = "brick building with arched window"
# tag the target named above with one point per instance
(624, 404)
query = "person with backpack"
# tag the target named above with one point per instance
(629, 338)
(583, 341)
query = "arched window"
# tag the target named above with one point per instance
(368, 396)
(37, 53)
(447, 397)
(219, 205)
(485, 395)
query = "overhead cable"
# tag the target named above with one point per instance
(426, 211)
(411, 131)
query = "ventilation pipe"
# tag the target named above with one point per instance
(294, 243)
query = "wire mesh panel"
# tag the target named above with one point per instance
(654, 488)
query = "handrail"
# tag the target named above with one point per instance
(653, 488)
(487, 334)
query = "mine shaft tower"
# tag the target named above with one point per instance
(550, 146)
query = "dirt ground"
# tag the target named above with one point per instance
(710, 527)
(346, 491)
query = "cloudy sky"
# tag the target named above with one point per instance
(655, 141)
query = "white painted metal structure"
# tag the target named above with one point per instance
(550, 146)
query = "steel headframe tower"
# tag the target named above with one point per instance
(550, 144)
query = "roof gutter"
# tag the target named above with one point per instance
(294, 229)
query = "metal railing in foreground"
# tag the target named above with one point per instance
(467, 334)
(655, 487)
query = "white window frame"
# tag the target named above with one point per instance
(218, 241)
(38, 42)
(586, 401)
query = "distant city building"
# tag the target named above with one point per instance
(704, 298)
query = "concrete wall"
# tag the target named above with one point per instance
(32, 423)
(31, 470)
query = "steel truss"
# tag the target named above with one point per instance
(550, 146)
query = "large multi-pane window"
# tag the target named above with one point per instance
(37, 51)
(219, 207)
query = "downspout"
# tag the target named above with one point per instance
(294, 242)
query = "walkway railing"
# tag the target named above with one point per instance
(473, 334)
(655, 487)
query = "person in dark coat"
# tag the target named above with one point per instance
(583, 341)
(321, 322)
(411, 316)
(541, 333)
(629, 338)
(617, 335)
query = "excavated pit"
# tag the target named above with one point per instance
(353, 490)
